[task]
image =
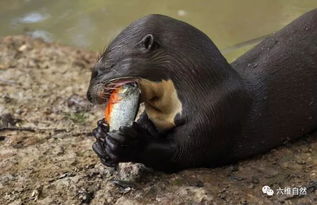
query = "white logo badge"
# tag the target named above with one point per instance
(267, 190)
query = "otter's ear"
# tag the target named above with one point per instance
(147, 42)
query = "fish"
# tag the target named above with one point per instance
(122, 106)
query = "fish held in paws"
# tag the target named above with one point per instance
(122, 106)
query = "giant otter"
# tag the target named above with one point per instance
(199, 110)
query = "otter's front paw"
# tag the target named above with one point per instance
(125, 144)
(99, 149)
(100, 134)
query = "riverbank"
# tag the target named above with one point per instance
(46, 156)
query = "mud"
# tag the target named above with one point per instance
(46, 156)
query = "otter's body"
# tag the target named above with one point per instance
(201, 111)
(281, 76)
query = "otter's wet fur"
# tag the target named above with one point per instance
(200, 110)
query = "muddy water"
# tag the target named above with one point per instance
(92, 24)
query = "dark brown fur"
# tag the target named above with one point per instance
(266, 97)
(281, 77)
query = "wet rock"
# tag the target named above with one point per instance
(131, 172)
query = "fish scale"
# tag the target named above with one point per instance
(122, 106)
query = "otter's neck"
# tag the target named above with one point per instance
(216, 91)
(161, 102)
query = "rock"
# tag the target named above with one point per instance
(7, 120)
(131, 172)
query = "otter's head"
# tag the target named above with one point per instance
(172, 62)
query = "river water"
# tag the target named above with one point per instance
(233, 25)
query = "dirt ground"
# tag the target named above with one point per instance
(46, 155)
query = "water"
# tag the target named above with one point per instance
(93, 24)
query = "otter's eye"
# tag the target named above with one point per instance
(106, 68)
(109, 67)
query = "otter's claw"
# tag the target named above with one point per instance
(100, 134)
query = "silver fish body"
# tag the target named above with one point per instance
(123, 112)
